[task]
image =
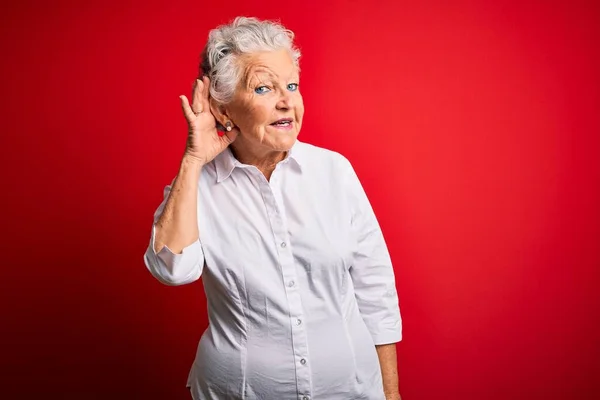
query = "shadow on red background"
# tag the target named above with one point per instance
(474, 127)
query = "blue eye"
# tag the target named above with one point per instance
(292, 87)
(261, 90)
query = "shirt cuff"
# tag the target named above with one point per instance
(388, 334)
(175, 268)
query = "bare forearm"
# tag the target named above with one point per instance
(389, 368)
(177, 227)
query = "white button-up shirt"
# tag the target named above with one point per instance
(299, 283)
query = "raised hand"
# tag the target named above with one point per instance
(204, 142)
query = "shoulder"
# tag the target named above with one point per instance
(321, 159)
(329, 170)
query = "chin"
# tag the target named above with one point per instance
(285, 144)
(283, 141)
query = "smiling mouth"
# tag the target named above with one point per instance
(282, 123)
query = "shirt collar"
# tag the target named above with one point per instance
(225, 162)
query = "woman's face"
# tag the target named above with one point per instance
(267, 107)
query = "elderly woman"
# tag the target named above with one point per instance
(300, 288)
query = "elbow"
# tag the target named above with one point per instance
(175, 269)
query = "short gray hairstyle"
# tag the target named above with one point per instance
(242, 36)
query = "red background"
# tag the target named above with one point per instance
(474, 127)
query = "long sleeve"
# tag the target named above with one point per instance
(170, 268)
(372, 272)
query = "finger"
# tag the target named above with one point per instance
(206, 92)
(187, 110)
(206, 83)
(197, 101)
(228, 137)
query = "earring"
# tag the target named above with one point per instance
(228, 126)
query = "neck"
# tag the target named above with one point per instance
(265, 160)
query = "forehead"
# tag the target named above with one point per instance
(275, 64)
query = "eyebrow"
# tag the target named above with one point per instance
(259, 71)
(264, 70)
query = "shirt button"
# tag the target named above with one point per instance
(298, 321)
(305, 398)
(303, 361)
(283, 244)
(291, 283)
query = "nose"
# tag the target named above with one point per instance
(285, 101)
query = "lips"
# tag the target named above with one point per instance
(282, 122)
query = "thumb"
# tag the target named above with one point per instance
(228, 137)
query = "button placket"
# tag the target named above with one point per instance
(276, 213)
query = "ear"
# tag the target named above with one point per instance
(220, 113)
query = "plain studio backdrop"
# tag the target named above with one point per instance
(473, 125)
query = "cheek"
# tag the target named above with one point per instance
(300, 103)
(300, 110)
(255, 114)
(242, 117)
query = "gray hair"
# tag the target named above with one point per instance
(242, 36)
